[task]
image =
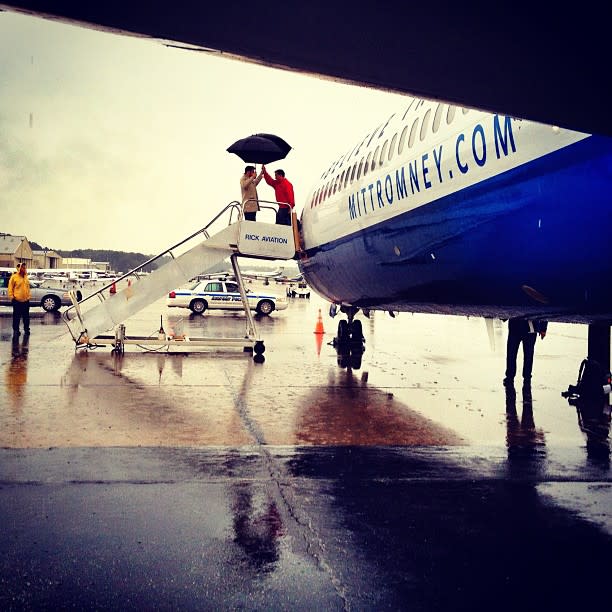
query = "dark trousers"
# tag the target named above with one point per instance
(283, 216)
(250, 216)
(21, 310)
(518, 332)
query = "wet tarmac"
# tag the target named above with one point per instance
(198, 481)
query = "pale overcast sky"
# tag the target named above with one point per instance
(115, 142)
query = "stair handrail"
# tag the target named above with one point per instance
(232, 206)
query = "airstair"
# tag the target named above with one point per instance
(109, 307)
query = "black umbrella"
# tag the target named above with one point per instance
(260, 148)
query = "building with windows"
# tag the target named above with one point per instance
(14, 250)
(47, 260)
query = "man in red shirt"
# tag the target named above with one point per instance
(283, 192)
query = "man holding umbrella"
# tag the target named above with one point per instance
(283, 192)
(264, 149)
(248, 187)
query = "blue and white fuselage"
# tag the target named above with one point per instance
(450, 210)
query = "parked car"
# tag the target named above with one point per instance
(222, 295)
(49, 299)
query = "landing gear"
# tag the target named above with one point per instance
(350, 332)
(349, 342)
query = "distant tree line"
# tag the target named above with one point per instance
(119, 261)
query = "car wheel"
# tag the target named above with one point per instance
(198, 306)
(50, 303)
(265, 307)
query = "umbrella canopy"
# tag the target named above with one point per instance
(260, 148)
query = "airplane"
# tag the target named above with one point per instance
(444, 208)
(287, 280)
(450, 210)
(262, 274)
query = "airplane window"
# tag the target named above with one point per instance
(342, 183)
(413, 131)
(374, 158)
(450, 115)
(437, 118)
(359, 169)
(425, 125)
(337, 183)
(334, 185)
(367, 164)
(392, 147)
(402, 140)
(346, 177)
(383, 153)
(353, 172)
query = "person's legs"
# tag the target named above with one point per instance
(16, 317)
(283, 216)
(528, 348)
(25, 315)
(512, 346)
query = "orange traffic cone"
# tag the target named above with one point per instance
(113, 288)
(319, 326)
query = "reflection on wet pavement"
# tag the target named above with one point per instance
(526, 443)
(257, 526)
(407, 479)
(347, 411)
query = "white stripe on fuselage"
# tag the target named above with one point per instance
(474, 148)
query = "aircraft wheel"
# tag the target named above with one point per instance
(356, 360)
(344, 333)
(259, 358)
(259, 348)
(356, 331)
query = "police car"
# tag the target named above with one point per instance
(49, 299)
(222, 295)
